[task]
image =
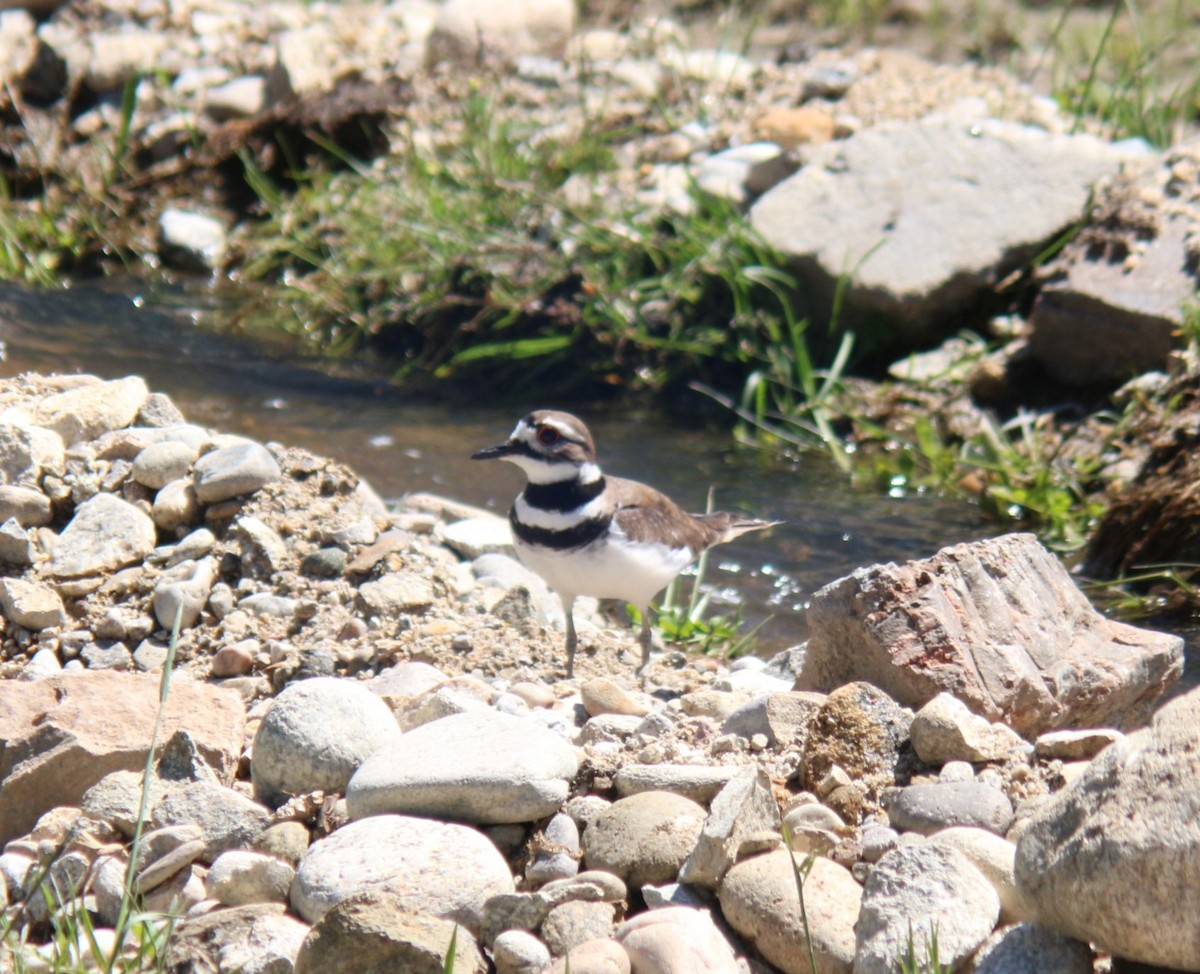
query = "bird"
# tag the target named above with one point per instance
(588, 534)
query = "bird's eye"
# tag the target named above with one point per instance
(547, 435)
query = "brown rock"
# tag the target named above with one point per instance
(1001, 626)
(31, 604)
(60, 735)
(854, 743)
(373, 932)
(790, 127)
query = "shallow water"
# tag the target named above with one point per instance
(401, 446)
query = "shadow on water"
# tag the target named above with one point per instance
(400, 446)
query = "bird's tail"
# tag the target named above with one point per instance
(725, 527)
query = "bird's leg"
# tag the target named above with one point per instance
(568, 604)
(644, 637)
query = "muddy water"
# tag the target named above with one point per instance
(402, 446)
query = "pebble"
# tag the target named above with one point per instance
(317, 733)
(945, 730)
(29, 508)
(700, 783)
(1075, 745)
(441, 869)
(645, 838)
(519, 952)
(928, 808)
(228, 819)
(162, 462)
(182, 592)
(238, 877)
(105, 534)
(232, 471)
(575, 922)
(236, 659)
(602, 695)
(33, 605)
(480, 766)
(193, 241)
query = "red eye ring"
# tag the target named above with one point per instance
(548, 435)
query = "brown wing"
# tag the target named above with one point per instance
(646, 515)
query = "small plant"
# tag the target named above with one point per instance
(930, 963)
(801, 871)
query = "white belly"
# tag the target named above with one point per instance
(630, 572)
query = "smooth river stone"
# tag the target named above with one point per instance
(316, 735)
(105, 534)
(87, 411)
(482, 766)
(234, 470)
(437, 868)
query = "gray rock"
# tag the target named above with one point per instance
(929, 808)
(239, 877)
(269, 605)
(165, 852)
(240, 98)
(396, 593)
(28, 507)
(105, 534)
(106, 655)
(256, 939)
(1114, 304)
(940, 187)
(745, 806)
(316, 735)
(645, 838)
(993, 856)
(182, 593)
(263, 552)
(738, 173)
(231, 471)
(1075, 745)
(286, 841)
(16, 546)
(699, 782)
(43, 663)
(782, 717)
(1019, 644)
(159, 412)
(176, 505)
(87, 411)
(917, 892)
(759, 900)
(1031, 947)
(483, 767)
(28, 452)
(228, 819)
(576, 922)
(557, 855)
(406, 680)
(1114, 858)
(443, 870)
(476, 536)
(160, 463)
(375, 931)
(946, 730)
(519, 952)
(34, 605)
(192, 241)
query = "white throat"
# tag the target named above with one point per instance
(543, 471)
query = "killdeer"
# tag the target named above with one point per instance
(588, 534)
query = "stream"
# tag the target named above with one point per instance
(401, 446)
